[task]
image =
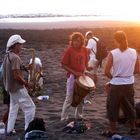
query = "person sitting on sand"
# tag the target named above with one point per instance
(74, 61)
(120, 67)
(37, 73)
(15, 84)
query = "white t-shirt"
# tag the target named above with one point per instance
(37, 68)
(123, 66)
(92, 45)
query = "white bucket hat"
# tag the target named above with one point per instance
(13, 40)
(87, 33)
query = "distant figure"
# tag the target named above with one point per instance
(15, 84)
(37, 73)
(93, 62)
(74, 61)
(121, 66)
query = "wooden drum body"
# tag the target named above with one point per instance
(83, 86)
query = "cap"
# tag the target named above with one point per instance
(14, 39)
(87, 33)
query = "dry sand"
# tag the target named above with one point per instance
(50, 50)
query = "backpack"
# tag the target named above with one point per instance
(101, 51)
(77, 126)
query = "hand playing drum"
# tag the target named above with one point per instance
(83, 86)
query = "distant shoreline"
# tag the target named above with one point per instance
(66, 24)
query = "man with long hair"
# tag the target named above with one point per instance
(121, 66)
(74, 61)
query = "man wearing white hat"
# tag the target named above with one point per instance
(15, 84)
(93, 62)
(91, 44)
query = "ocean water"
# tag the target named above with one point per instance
(61, 22)
(59, 19)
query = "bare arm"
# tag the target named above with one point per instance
(137, 69)
(18, 76)
(109, 66)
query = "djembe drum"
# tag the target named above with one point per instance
(83, 86)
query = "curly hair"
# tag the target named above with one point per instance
(76, 35)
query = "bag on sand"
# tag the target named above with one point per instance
(77, 126)
(36, 130)
(101, 51)
(36, 135)
(36, 124)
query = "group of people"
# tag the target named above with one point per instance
(79, 59)
(122, 63)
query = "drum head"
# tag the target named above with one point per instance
(86, 81)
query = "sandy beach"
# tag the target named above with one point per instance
(50, 45)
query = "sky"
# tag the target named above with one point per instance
(72, 7)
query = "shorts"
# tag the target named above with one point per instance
(6, 96)
(121, 95)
